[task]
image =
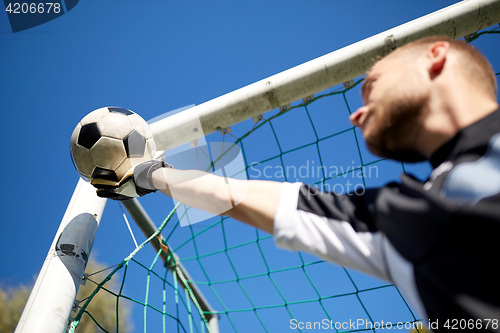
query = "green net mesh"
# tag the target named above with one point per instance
(251, 285)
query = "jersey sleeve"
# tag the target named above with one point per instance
(337, 228)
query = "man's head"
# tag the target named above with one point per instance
(406, 89)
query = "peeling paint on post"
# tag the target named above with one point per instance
(75, 243)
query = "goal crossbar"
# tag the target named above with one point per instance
(341, 66)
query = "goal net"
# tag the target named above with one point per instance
(250, 285)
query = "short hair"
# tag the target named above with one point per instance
(473, 65)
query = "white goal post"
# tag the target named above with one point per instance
(50, 303)
(51, 300)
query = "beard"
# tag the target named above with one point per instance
(396, 128)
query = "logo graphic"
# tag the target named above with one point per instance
(223, 159)
(26, 15)
(200, 159)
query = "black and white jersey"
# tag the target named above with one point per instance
(436, 240)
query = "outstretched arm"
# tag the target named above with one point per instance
(251, 201)
(254, 202)
(300, 218)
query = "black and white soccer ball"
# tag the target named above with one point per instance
(109, 141)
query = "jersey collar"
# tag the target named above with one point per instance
(473, 138)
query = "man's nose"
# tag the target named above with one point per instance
(355, 117)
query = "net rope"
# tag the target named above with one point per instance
(238, 295)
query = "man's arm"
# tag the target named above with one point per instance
(254, 202)
(334, 227)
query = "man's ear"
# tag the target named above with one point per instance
(437, 54)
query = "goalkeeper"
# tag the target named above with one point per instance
(433, 99)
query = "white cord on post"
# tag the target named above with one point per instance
(128, 225)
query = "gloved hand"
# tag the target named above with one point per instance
(135, 183)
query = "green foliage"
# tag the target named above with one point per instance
(103, 306)
(12, 301)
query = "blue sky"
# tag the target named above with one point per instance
(152, 57)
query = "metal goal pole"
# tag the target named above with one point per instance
(341, 66)
(52, 298)
(147, 226)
